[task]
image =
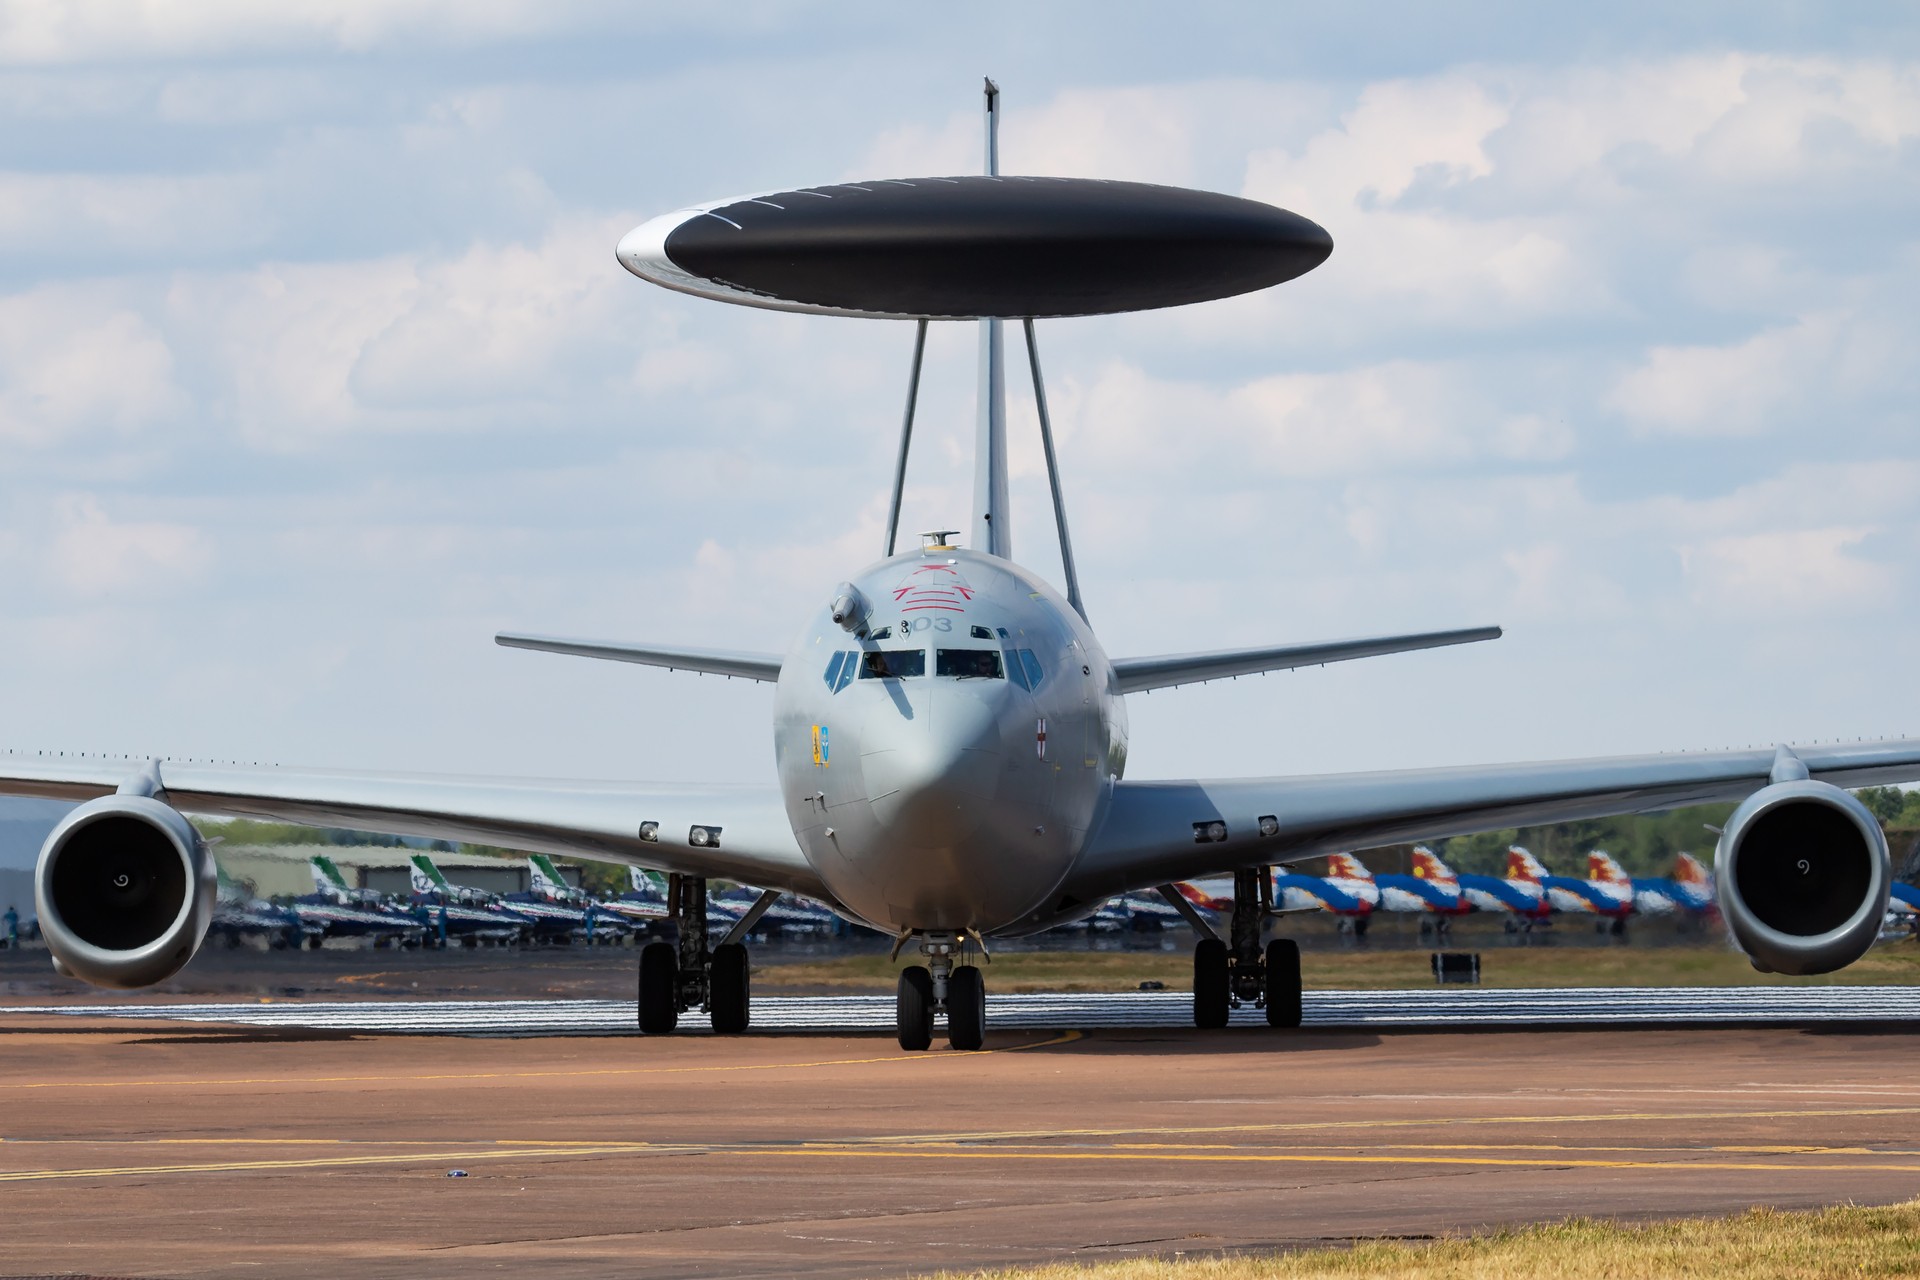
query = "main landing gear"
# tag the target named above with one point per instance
(936, 986)
(1229, 974)
(678, 976)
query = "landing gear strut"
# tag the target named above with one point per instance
(1236, 972)
(941, 986)
(689, 974)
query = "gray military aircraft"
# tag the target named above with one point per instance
(950, 736)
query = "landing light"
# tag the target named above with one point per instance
(1209, 832)
(1269, 826)
(704, 837)
(650, 832)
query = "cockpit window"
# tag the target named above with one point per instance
(892, 664)
(982, 664)
(980, 633)
(882, 634)
(1024, 668)
(840, 669)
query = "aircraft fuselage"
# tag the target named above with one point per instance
(944, 762)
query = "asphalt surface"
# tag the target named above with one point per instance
(1445, 1008)
(151, 1147)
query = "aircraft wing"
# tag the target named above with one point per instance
(1155, 832)
(753, 843)
(1136, 675)
(712, 662)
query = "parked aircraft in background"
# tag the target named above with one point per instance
(1903, 905)
(1523, 902)
(1687, 893)
(560, 913)
(239, 915)
(1347, 891)
(1607, 894)
(467, 916)
(1432, 891)
(336, 909)
(644, 902)
(795, 915)
(599, 923)
(1149, 912)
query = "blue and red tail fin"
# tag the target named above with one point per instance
(1344, 866)
(1427, 866)
(1688, 869)
(1522, 865)
(1602, 869)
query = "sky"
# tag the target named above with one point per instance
(316, 369)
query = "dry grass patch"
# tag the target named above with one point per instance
(1761, 1244)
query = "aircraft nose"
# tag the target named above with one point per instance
(938, 767)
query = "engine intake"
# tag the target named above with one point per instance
(125, 890)
(1803, 873)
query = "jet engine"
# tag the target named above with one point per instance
(1803, 873)
(125, 889)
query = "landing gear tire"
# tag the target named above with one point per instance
(313, 943)
(913, 1008)
(1283, 983)
(1210, 984)
(966, 1008)
(728, 980)
(659, 989)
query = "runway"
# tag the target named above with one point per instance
(1441, 1007)
(154, 1147)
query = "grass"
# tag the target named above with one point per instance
(1760, 1244)
(1709, 965)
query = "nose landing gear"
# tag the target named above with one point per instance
(691, 975)
(1227, 975)
(937, 986)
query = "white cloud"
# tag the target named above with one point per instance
(44, 32)
(76, 361)
(1785, 573)
(1397, 416)
(1732, 390)
(498, 322)
(93, 555)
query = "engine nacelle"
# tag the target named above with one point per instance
(125, 889)
(1802, 872)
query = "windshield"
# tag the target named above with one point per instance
(967, 664)
(892, 664)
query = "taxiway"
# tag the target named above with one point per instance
(156, 1147)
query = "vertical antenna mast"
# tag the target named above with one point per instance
(992, 531)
